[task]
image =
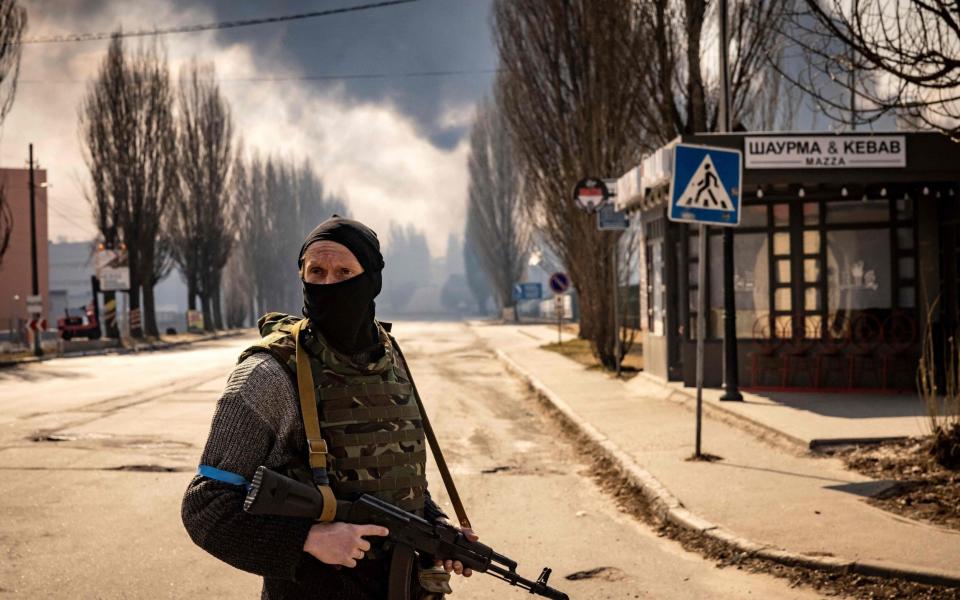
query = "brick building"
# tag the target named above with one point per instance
(16, 278)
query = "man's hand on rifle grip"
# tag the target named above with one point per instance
(455, 565)
(340, 543)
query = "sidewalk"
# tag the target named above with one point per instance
(112, 346)
(810, 421)
(760, 496)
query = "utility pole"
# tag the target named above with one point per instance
(616, 301)
(37, 334)
(730, 368)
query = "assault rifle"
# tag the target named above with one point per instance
(274, 494)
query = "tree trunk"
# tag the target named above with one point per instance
(133, 308)
(207, 315)
(253, 309)
(217, 308)
(149, 312)
(696, 97)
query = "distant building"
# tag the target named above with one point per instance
(16, 276)
(71, 266)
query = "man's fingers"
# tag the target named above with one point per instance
(372, 530)
(458, 567)
(467, 572)
(469, 534)
(363, 544)
(349, 563)
(438, 563)
(448, 565)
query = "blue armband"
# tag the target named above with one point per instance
(223, 476)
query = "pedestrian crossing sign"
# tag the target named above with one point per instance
(706, 183)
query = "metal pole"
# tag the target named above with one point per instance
(701, 323)
(616, 303)
(37, 347)
(730, 366)
(558, 308)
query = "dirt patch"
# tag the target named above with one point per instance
(604, 573)
(631, 500)
(923, 489)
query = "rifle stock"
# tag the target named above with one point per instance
(275, 494)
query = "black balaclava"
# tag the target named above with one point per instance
(344, 312)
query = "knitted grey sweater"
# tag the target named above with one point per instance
(257, 422)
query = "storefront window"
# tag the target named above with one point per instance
(781, 243)
(754, 215)
(904, 238)
(781, 215)
(858, 273)
(657, 292)
(750, 284)
(715, 268)
(904, 209)
(857, 211)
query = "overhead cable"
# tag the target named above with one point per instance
(89, 37)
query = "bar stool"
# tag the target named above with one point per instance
(866, 336)
(765, 355)
(900, 337)
(830, 355)
(798, 358)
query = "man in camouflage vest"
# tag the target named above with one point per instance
(372, 435)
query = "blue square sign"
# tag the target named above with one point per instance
(706, 185)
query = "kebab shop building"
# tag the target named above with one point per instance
(846, 244)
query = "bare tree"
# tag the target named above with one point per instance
(276, 204)
(13, 22)
(571, 94)
(201, 220)
(496, 223)
(476, 277)
(127, 125)
(900, 57)
(679, 96)
(588, 86)
(408, 258)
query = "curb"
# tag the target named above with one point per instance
(118, 349)
(668, 507)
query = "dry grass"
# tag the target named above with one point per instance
(579, 350)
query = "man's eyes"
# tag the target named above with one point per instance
(341, 271)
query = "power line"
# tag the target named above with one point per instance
(70, 220)
(318, 77)
(89, 37)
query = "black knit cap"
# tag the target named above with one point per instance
(357, 237)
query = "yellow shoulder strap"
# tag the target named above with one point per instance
(316, 445)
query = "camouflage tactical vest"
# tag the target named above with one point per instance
(368, 416)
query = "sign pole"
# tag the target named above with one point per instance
(701, 324)
(616, 304)
(558, 308)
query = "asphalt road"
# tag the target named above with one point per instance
(95, 454)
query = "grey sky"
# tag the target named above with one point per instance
(395, 147)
